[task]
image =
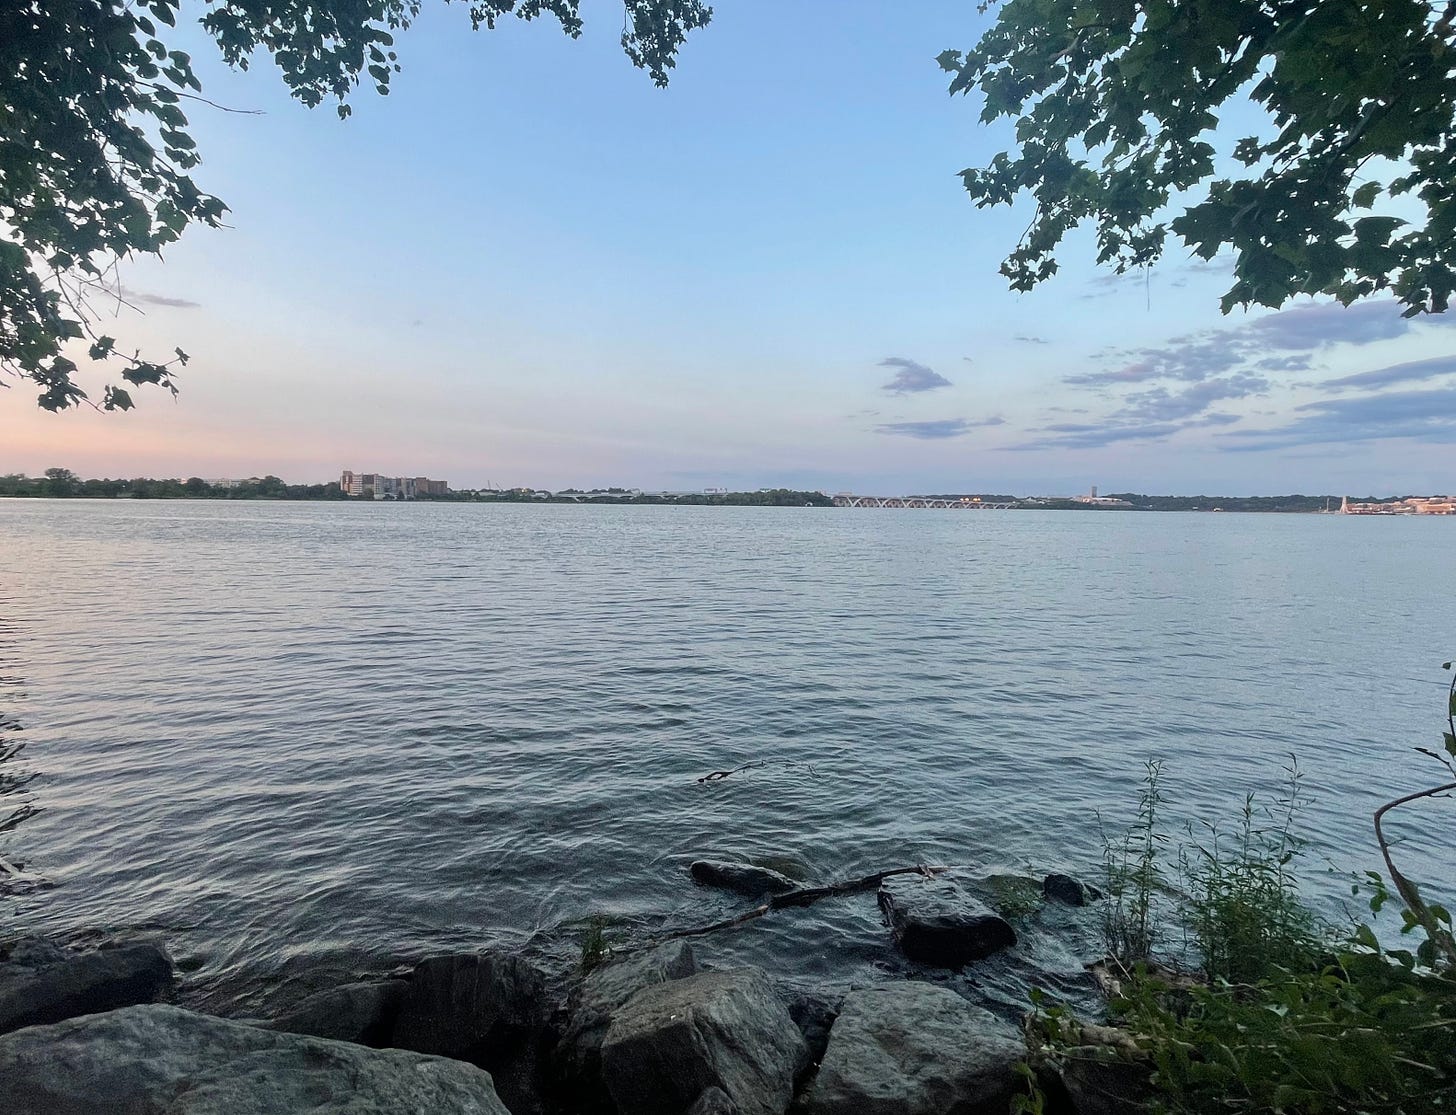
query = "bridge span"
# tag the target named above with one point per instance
(845, 499)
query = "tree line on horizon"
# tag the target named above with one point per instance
(62, 483)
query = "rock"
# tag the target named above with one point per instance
(915, 1049)
(936, 921)
(1066, 889)
(725, 1029)
(713, 1101)
(1107, 1085)
(489, 1009)
(590, 1011)
(41, 983)
(744, 878)
(151, 1059)
(363, 1013)
(814, 1015)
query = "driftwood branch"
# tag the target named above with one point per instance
(1440, 938)
(719, 775)
(806, 896)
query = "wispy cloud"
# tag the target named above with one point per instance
(1095, 435)
(1426, 416)
(911, 377)
(1412, 372)
(1032, 340)
(1158, 391)
(937, 429)
(159, 300)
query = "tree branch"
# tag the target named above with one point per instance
(1439, 937)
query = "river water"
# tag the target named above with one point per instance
(305, 738)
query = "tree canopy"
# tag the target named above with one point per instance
(96, 158)
(1347, 186)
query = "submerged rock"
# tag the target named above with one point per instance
(915, 1049)
(41, 983)
(1066, 889)
(157, 1058)
(725, 1030)
(363, 1013)
(591, 1009)
(936, 921)
(745, 878)
(490, 1009)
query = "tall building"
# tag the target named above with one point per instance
(391, 487)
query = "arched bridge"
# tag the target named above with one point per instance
(845, 499)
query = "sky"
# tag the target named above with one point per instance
(530, 266)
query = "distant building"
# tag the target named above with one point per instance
(1416, 505)
(1092, 499)
(391, 487)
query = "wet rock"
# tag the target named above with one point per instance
(146, 1059)
(41, 983)
(814, 1015)
(713, 1101)
(937, 921)
(915, 1049)
(363, 1013)
(745, 878)
(1064, 888)
(589, 1014)
(490, 1009)
(727, 1030)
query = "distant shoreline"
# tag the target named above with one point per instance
(1285, 505)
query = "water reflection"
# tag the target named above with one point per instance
(16, 803)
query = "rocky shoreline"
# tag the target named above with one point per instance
(650, 1032)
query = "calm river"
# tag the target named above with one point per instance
(304, 737)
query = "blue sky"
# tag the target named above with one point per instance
(528, 265)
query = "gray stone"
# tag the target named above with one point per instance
(1066, 889)
(915, 1049)
(726, 1030)
(363, 1013)
(745, 878)
(713, 1101)
(814, 1015)
(490, 1009)
(937, 921)
(41, 983)
(161, 1060)
(600, 995)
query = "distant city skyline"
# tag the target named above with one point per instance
(529, 266)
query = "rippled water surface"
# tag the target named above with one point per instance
(304, 736)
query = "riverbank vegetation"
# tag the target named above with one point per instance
(1227, 994)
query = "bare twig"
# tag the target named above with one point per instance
(805, 896)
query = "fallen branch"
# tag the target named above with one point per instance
(719, 775)
(805, 896)
(1439, 938)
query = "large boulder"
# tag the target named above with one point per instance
(938, 921)
(490, 1009)
(725, 1030)
(745, 878)
(915, 1049)
(41, 983)
(591, 1009)
(147, 1060)
(364, 1013)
